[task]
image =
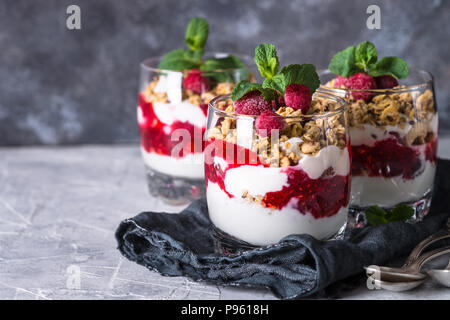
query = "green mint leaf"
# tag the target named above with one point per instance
(393, 66)
(229, 62)
(277, 83)
(196, 33)
(366, 55)
(268, 93)
(302, 74)
(181, 59)
(343, 63)
(197, 55)
(243, 87)
(401, 212)
(267, 60)
(227, 69)
(294, 73)
(375, 215)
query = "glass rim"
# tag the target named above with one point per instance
(149, 64)
(313, 116)
(409, 88)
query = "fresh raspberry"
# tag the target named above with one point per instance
(361, 81)
(386, 82)
(298, 96)
(341, 82)
(252, 103)
(268, 121)
(195, 82)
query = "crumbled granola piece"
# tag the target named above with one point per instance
(312, 132)
(195, 99)
(416, 133)
(215, 133)
(310, 147)
(226, 125)
(284, 162)
(223, 88)
(425, 101)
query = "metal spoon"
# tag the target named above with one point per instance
(399, 284)
(441, 276)
(403, 273)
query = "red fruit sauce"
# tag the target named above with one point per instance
(322, 197)
(157, 136)
(390, 158)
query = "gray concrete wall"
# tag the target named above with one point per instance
(61, 86)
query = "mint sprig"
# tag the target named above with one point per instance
(393, 66)
(364, 58)
(244, 87)
(294, 73)
(276, 81)
(226, 63)
(196, 33)
(181, 59)
(185, 59)
(365, 55)
(375, 215)
(267, 60)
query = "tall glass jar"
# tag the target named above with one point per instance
(263, 186)
(394, 135)
(172, 113)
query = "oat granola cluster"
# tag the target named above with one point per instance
(412, 110)
(298, 138)
(193, 97)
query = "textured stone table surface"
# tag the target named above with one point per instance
(59, 208)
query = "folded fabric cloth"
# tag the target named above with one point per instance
(298, 266)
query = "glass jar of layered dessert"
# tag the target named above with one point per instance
(173, 100)
(277, 162)
(393, 129)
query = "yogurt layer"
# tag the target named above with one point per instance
(189, 166)
(388, 192)
(257, 225)
(262, 224)
(184, 111)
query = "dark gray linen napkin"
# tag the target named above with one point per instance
(298, 266)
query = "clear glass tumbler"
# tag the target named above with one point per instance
(172, 121)
(394, 135)
(262, 186)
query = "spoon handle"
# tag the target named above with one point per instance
(441, 234)
(417, 265)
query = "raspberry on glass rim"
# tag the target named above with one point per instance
(393, 126)
(175, 90)
(272, 170)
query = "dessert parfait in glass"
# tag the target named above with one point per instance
(393, 128)
(173, 100)
(277, 158)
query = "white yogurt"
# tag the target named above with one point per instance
(368, 134)
(257, 180)
(257, 225)
(172, 85)
(388, 192)
(328, 157)
(189, 166)
(168, 113)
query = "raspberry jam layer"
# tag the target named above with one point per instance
(322, 197)
(176, 140)
(390, 158)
